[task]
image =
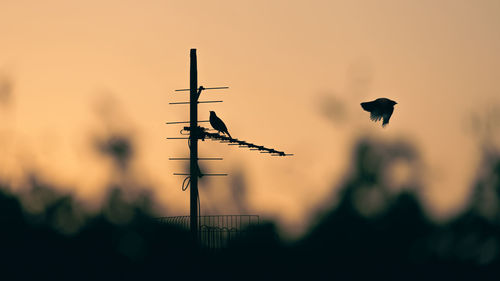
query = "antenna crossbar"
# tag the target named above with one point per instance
(210, 175)
(203, 134)
(212, 88)
(187, 102)
(201, 158)
(184, 122)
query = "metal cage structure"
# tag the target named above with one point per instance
(217, 231)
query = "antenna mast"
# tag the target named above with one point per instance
(193, 144)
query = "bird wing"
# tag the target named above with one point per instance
(387, 115)
(375, 116)
(371, 106)
(368, 106)
(219, 125)
(223, 126)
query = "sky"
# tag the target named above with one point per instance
(283, 61)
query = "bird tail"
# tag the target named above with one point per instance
(368, 106)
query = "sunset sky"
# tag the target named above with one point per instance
(283, 60)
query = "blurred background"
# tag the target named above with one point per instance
(84, 93)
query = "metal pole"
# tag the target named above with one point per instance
(193, 139)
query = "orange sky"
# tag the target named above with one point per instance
(438, 59)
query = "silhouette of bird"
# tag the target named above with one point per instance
(218, 124)
(381, 108)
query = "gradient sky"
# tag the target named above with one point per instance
(439, 60)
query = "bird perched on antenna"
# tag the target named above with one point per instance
(218, 124)
(381, 108)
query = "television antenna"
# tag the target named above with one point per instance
(201, 133)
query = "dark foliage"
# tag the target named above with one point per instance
(351, 241)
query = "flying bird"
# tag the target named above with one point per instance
(218, 124)
(381, 108)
